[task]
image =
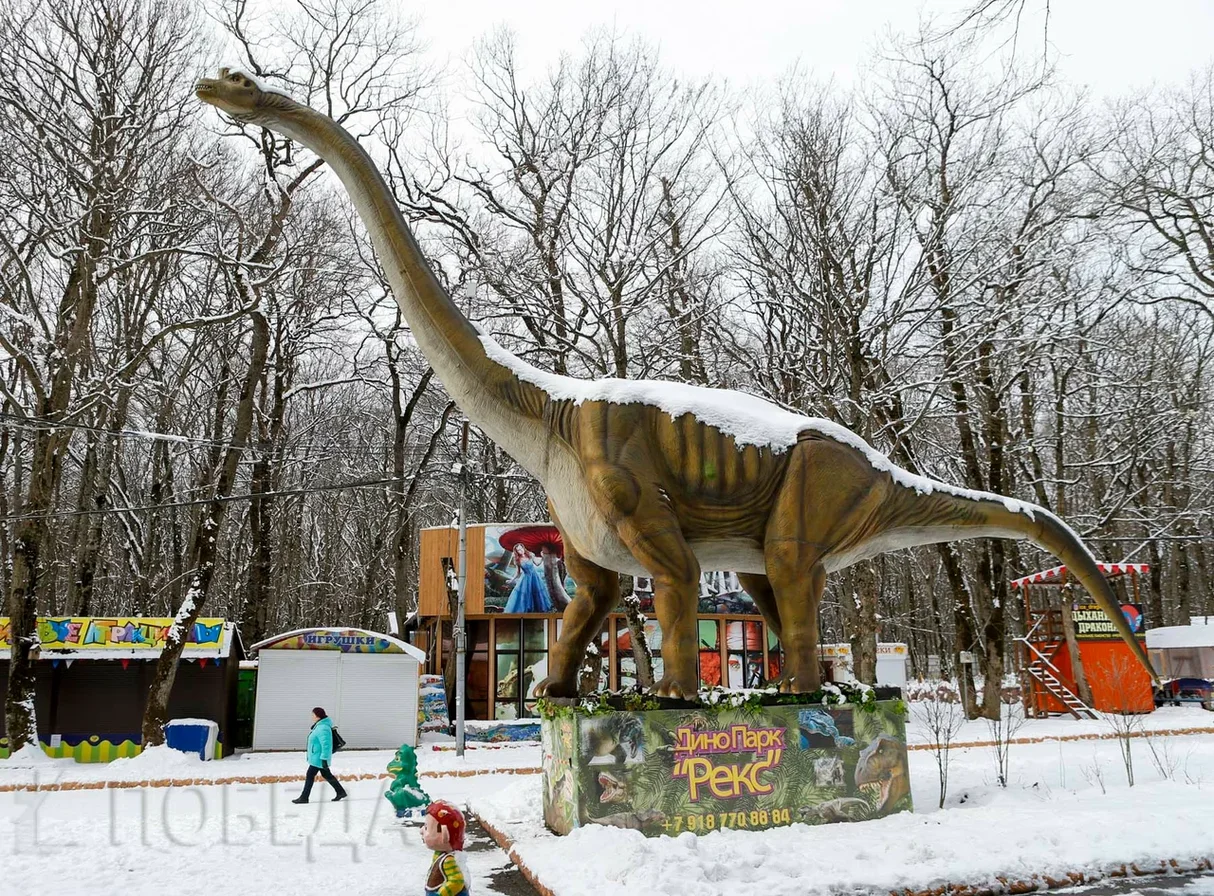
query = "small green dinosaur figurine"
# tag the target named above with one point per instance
(405, 795)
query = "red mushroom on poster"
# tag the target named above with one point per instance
(533, 569)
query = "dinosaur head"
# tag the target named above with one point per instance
(242, 97)
(614, 790)
(882, 763)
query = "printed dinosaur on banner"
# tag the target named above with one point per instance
(668, 771)
(126, 632)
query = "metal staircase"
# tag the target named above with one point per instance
(1046, 678)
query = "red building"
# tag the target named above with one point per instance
(1073, 659)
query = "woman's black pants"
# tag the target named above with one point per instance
(324, 773)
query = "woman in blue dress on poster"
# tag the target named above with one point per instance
(530, 593)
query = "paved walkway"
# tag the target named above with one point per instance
(505, 879)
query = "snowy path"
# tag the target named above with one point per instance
(233, 838)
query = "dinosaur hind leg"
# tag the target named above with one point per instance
(759, 588)
(798, 585)
(828, 502)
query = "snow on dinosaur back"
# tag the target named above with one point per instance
(750, 420)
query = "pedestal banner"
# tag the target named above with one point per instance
(747, 767)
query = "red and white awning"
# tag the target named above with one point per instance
(1054, 576)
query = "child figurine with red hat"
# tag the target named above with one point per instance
(444, 833)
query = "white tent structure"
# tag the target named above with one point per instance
(1183, 651)
(366, 682)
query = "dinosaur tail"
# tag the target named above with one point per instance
(952, 514)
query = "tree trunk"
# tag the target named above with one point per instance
(206, 544)
(860, 617)
(90, 553)
(640, 644)
(963, 625)
(1072, 648)
(75, 315)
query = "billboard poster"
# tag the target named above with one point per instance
(525, 573)
(700, 770)
(1093, 624)
(720, 592)
(525, 570)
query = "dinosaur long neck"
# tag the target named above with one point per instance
(508, 410)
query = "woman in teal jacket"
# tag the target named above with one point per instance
(320, 753)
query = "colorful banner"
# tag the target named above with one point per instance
(720, 592)
(525, 573)
(347, 640)
(1093, 624)
(668, 771)
(123, 632)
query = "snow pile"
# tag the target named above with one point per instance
(31, 756)
(519, 803)
(158, 762)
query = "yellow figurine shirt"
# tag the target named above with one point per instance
(446, 876)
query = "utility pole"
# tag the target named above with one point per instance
(459, 630)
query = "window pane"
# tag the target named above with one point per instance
(478, 635)
(628, 670)
(529, 711)
(775, 662)
(535, 634)
(507, 675)
(653, 636)
(710, 635)
(535, 670)
(506, 711)
(710, 668)
(506, 633)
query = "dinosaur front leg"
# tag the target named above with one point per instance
(598, 591)
(654, 538)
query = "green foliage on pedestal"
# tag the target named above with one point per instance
(861, 696)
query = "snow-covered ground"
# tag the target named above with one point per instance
(1068, 808)
(236, 838)
(1165, 718)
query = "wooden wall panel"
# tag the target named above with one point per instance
(432, 588)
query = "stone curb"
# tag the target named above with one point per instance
(53, 786)
(507, 846)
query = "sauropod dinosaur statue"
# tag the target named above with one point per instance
(662, 479)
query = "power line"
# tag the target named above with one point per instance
(337, 486)
(42, 424)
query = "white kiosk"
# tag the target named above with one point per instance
(367, 682)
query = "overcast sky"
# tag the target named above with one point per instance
(1110, 45)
